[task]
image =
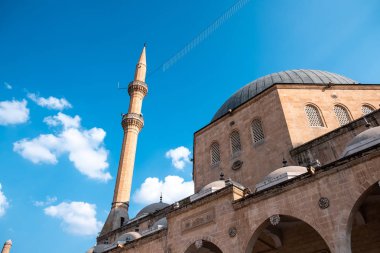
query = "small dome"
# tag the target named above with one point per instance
(280, 175)
(161, 223)
(298, 76)
(152, 208)
(100, 248)
(127, 237)
(216, 185)
(366, 139)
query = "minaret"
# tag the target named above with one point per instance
(7, 247)
(132, 123)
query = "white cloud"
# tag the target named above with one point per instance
(42, 149)
(50, 102)
(85, 148)
(7, 86)
(78, 218)
(13, 112)
(173, 188)
(3, 202)
(48, 201)
(64, 120)
(179, 156)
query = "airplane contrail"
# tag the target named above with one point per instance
(202, 36)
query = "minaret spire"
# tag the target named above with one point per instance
(140, 72)
(132, 123)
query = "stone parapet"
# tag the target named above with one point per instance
(132, 119)
(138, 86)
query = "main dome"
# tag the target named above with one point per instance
(298, 76)
(152, 208)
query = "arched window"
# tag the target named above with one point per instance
(313, 115)
(215, 153)
(235, 143)
(367, 109)
(257, 131)
(342, 115)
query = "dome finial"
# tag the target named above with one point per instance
(367, 124)
(284, 162)
(221, 175)
(161, 198)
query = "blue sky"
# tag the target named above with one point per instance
(75, 53)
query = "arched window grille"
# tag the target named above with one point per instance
(235, 143)
(215, 153)
(257, 131)
(313, 115)
(367, 109)
(342, 115)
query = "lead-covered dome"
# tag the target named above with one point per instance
(364, 140)
(151, 208)
(280, 175)
(298, 76)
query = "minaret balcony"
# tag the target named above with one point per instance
(138, 86)
(132, 120)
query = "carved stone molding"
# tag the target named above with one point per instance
(198, 219)
(232, 232)
(137, 86)
(237, 165)
(324, 203)
(274, 219)
(132, 119)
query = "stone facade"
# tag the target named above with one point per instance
(281, 110)
(332, 205)
(344, 183)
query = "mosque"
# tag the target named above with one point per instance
(289, 163)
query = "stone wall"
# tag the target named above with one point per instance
(258, 159)
(281, 109)
(295, 97)
(343, 183)
(329, 147)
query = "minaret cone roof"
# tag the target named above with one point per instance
(142, 59)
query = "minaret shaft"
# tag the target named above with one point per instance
(132, 123)
(135, 103)
(126, 164)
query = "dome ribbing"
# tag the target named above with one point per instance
(299, 76)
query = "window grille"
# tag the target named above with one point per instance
(235, 142)
(257, 131)
(366, 109)
(342, 115)
(215, 153)
(312, 113)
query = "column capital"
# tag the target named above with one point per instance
(132, 120)
(139, 86)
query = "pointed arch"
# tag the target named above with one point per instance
(235, 143)
(215, 153)
(289, 235)
(314, 116)
(364, 224)
(342, 114)
(203, 245)
(257, 131)
(367, 109)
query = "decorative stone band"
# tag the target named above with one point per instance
(137, 86)
(132, 119)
